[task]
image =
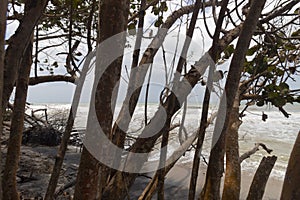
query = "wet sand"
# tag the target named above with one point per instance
(177, 184)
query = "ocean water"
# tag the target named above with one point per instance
(277, 132)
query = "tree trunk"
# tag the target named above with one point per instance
(215, 169)
(66, 136)
(152, 185)
(14, 144)
(143, 144)
(18, 44)
(182, 60)
(112, 20)
(232, 182)
(3, 11)
(201, 136)
(291, 189)
(137, 77)
(260, 178)
(203, 122)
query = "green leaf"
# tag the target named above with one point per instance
(271, 68)
(252, 50)
(279, 101)
(131, 26)
(269, 75)
(290, 99)
(297, 11)
(131, 29)
(296, 33)
(290, 46)
(163, 6)
(279, 72)
(157, 24)
(155, 10)
(273, 95)
(228, 51)
(260, 103)
(283, 86)
(270, 87)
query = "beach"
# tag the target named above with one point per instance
(177, 184)
(278, 133)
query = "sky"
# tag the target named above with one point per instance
(62, 92)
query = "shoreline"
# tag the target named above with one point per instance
(176, 182)
(178, 179)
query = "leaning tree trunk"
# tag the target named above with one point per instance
(232, 182)
(165, 137)
(215, 169)
(137, 77)
(291, 189)
(260, 179)
(17, 124)
(205, 106)
(67, 133)
(143, 144)
(3, 11)
(112, 20)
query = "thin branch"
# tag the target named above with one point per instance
(254, 150)
(135, 15)
(48, 79)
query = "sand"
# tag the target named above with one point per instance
(177, 184)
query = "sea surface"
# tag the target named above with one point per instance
(276, 132)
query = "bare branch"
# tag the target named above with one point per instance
(254, 150)
(47, 79)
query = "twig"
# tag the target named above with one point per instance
(254, 150)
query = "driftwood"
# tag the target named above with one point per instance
(260, 178)
(37, 135)
(63, 188)
(32, 119)
(254, 150)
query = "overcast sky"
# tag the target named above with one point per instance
(62, 92)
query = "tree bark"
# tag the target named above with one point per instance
(205, 106)
(260, 178)
(3, 11)
(201, 136)
(10, 191)
(232, 182)
(18, 44)
(182, 60)
(49, 79)
(143, 144)
(152, 185)
(66, 136)
(137, 77)
(215, 169)
(112, 20)
(291, 189)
